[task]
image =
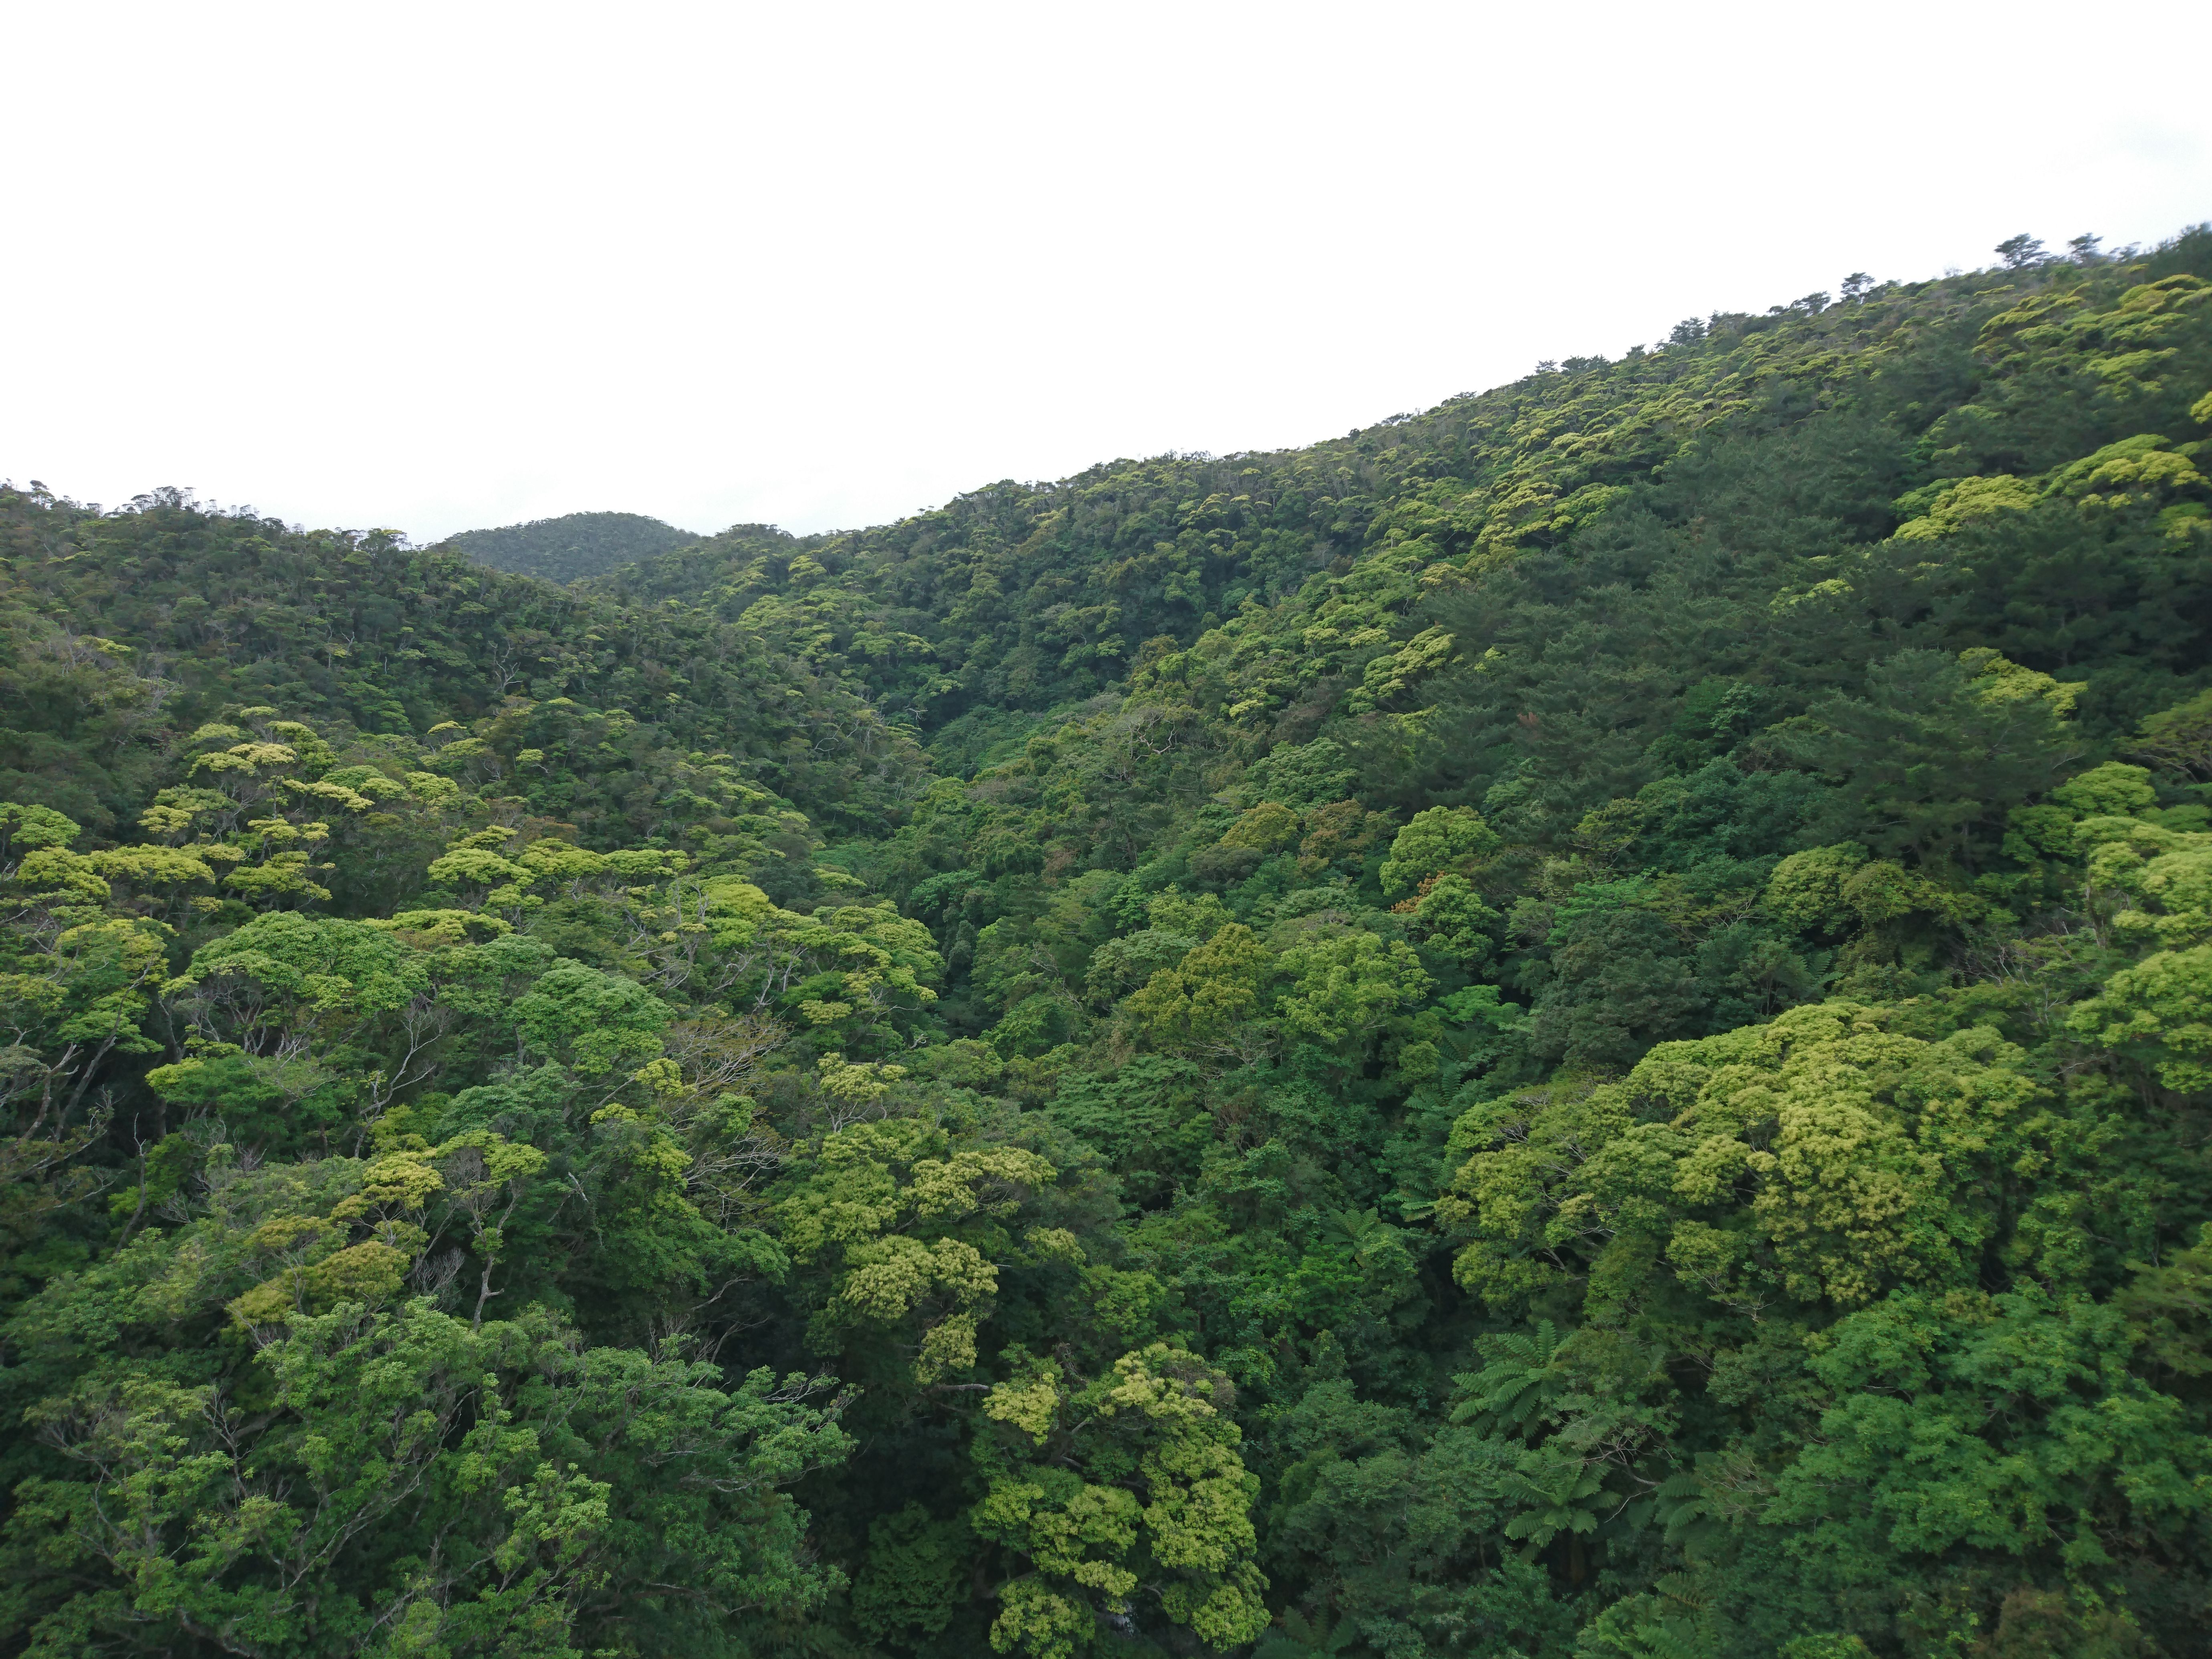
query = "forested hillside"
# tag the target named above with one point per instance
(566, 549)
(1577, 1025)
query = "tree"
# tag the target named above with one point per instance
(412, 1484)
(1346, 987)
(909, 1231)
(1440, 839)
(1940, 749)
(1123, 1497)
(1201, 1002)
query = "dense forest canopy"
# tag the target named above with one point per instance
(1574, 1025)
(574, 545)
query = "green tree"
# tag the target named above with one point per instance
(1119, 1497)
(1940, 750)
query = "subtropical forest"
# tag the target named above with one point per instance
(1576, 1025)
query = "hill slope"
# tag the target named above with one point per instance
(1018, 598)
(574, 545)
(1575, 1025)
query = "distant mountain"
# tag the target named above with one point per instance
(575, 545)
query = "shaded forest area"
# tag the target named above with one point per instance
(1574, 1025)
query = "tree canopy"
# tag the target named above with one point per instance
(1578, 1025)
(569, 548)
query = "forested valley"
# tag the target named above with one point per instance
(1577, 1025)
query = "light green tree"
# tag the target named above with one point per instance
(1121, 1496)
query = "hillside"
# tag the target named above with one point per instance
(574, 545)
(1572, 1025)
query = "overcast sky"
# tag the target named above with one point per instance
(449, 266)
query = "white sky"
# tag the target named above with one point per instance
(439, 266)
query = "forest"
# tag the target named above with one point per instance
(1577, 1025)
(564, 549)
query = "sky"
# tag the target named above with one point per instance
(441, 266)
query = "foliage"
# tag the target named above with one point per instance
(1574, 1025)
(574, 545)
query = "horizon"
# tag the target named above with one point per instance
(2042, 256)
(825, 271)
